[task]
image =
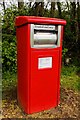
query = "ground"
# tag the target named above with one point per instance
(69, 106)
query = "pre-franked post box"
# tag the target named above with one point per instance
(39, 49)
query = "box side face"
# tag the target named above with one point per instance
(22, 65)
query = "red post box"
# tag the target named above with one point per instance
(39, 49)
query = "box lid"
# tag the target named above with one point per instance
(22, 20)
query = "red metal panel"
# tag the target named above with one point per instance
(43, 85)
(23, 59)
(20, 20)
(22, 65)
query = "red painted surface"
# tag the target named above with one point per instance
(43, 92)
(21, 20)
(38, 89)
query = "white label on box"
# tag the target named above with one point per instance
(45, 62)
(44, 27)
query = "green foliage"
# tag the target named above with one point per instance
(65, 50)
(9, 37)
(9, 81)
(9, 53)
(9, 40)
(70, 77)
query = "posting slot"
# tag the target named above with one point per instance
(44, 36)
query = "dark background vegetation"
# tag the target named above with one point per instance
(70, 11)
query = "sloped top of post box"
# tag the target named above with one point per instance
(22, 20)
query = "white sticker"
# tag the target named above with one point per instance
(45, 62)
(44, 27)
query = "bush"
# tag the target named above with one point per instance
(9, 37)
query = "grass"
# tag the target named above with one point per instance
(70, 78)
(9, 81)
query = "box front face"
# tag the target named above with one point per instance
(45, 55)
(44, 79)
